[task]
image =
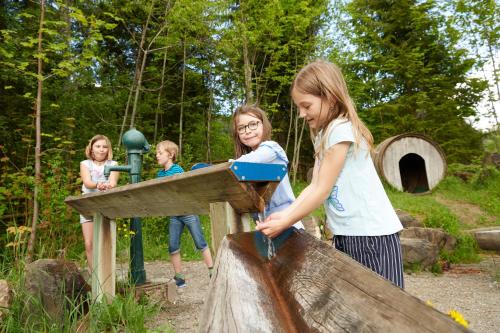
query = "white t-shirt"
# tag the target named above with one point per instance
(357, 204)
(96, 173)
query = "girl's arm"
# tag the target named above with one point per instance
(314, 194)
(86, 178)
(263, 154)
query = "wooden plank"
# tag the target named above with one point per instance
(104, 258)
(308, 287)
(187, 193)
(223, 220)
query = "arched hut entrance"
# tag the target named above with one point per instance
(410, 162)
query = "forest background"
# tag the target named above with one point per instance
(177, 69)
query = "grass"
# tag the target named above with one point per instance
(155, 240)
(27, 314)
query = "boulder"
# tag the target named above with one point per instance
(419, 251)
(52, 282)
(488, 238)
(438, 237)
(407, 220)
(5, 298)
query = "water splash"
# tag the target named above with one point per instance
(271, 250)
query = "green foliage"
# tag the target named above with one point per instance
(481, 190)
(407, 75)
(466, 250)
(434, 214)
(26, 313)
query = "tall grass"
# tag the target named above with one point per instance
(27, 313)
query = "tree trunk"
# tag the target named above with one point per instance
(143, 65)
(289, 126)
(158, 102)
(38, 113)
(182, 96)
(209, 121)
(296, 148)
(248, 74)
(495, 79)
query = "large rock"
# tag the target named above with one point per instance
(419, 251)
(407, 220)
(5, 298)
(436, 236)
(488, 238)
(54, 282)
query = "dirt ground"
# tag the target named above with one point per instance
(473, 290)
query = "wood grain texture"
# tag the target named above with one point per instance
(187, 193)
(104, 258)
(308, 287)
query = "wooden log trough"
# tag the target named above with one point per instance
(307, 287)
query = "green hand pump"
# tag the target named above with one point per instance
(136, 145)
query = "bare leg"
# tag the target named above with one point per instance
(88, 235)
(207, 257)
(176, 262)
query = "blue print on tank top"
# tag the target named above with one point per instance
(334, 201)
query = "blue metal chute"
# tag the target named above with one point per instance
(258, 172)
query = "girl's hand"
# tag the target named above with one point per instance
(274, 225)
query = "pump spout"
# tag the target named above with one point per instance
(109, 168)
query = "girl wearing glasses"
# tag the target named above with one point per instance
(358, 210)
(252, 143)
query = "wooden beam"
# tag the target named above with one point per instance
(181, 194)
(104, 258)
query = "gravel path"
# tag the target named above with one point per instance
(470, 289)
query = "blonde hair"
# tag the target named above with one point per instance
(253, 110)
(170, 147)
(88, 149)
(325, 80)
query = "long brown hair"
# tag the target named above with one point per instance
(255, 111)
(325, 80)
(88, 149)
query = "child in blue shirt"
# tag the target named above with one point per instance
(166, 153)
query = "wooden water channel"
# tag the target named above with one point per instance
(307, 287)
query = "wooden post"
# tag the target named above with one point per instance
(104, 258)
(224, 220)
(246, 221)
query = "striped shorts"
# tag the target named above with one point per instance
(382, 254)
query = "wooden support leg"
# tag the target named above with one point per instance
(223, 220)
(104, 258)
(246, 222)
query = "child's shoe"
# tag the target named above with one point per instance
(180, 282)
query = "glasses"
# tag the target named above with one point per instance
(251, 126)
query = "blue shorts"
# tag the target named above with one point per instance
(175, 228)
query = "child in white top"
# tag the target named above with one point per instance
(359, 213)
(99, 154)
